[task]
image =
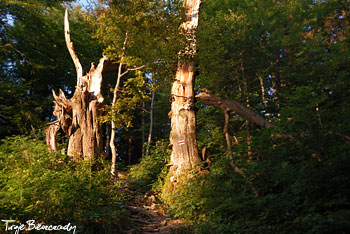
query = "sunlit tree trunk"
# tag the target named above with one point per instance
(114, 101)
(108, 138)
(78, 116)
(262, 91)
(113, 124)
(149, 139)
(184, 154)
(143, 130)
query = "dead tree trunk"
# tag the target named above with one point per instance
(78, 116)
(51, 133)
(184, 155)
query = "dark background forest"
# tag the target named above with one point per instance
(286, 61)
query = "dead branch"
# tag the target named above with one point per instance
(132, 69)
(70, 47)
(231, 105)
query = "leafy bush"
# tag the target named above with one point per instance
(52, 189)
(152, 169)
(295, 196)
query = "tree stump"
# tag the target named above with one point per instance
(78, 116)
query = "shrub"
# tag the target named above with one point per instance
(304, 196)
(52, 189)
(152, 169)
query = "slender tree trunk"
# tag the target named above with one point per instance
(108, 139)
(113, 124)
(229, 152)
(149, 139)
(78, 116)
(114, 101)
(143, 131)
(249, 141)
(227, 136)
(113, 149)
(262, 91)
(184, 155)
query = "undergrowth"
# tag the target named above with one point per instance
(303, 197)
(296, 193)
(54, 190)
(152, 169)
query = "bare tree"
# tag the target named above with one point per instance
(78, 116)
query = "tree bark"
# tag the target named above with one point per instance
(51, 133)
(78, 116)
(184, 155)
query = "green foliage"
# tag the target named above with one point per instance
(152, 169)
(52, 189)
(142, 33)
(209, 134)
(303, 196)
(287, 60)
(131, 95)
(18, 113)
(300, 168)
(34, 59)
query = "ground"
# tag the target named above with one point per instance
(147, 214)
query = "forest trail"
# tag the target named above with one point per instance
(147, 214)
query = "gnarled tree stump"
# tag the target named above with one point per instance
(78, 116)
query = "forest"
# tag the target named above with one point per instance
(175, 116)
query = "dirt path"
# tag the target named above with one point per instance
(148, 215)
